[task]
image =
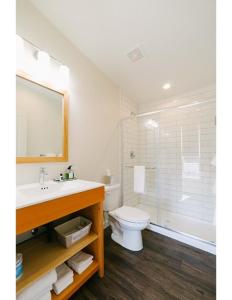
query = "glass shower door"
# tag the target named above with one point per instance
(177, 146)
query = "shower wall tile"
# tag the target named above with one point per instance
(181, 148)
(129, 134)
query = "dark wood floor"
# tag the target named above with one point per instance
(164, 269)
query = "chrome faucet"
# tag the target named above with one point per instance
(42, 174)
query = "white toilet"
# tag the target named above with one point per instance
(126, 222)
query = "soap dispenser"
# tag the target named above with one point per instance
(66, 174)
(70, 173)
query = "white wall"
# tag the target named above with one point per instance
(94, 109)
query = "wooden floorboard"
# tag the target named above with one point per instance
(165, 269)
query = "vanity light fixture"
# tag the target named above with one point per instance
(167, 86)
(40, 66)
(43, 57)
(43, 70)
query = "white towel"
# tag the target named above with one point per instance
(139, 179)
(80, 261)
(80, 258)
(63, 273)
(82, 268)
(35, 289)
(64, 278)
(59, 287)
(80, 264)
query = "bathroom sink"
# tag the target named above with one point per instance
(31, 194)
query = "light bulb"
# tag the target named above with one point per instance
(43, 57)
(43, 66)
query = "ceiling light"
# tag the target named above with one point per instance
(166, 86)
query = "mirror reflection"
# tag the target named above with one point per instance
(39, 120)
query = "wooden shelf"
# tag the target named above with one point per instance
(79, 280)
(40, 257)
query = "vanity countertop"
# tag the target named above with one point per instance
(35, 193)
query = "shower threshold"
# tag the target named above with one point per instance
(197, 233)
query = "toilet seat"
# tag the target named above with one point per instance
(131, 214)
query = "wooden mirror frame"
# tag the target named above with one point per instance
(42, 159)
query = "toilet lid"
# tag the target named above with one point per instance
(131, 214)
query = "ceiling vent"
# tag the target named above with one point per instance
(135, 54)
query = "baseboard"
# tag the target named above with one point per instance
(200, 244)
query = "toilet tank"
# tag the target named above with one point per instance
(112, 197)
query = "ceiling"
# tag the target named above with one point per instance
(176, 37)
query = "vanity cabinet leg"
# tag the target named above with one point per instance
(49, 227)
(100, 245)
(95, 213)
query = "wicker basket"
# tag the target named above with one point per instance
(72, 231)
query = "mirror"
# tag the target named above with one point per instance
(41, 122)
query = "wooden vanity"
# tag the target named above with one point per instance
(41, 256)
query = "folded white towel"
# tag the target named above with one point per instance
(84, 267)
(80, 261)
(81, 264)
(58, 288)
(35, 289)
(80, 258)
(63, 272)
(64, 278)
(139, 179)
(81, 268)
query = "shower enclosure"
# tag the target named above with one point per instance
(176, 144)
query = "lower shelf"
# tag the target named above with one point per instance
(40, 257)
(79, 280)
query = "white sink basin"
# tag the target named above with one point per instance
(31, 194)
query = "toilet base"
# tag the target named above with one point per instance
(128, 239)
